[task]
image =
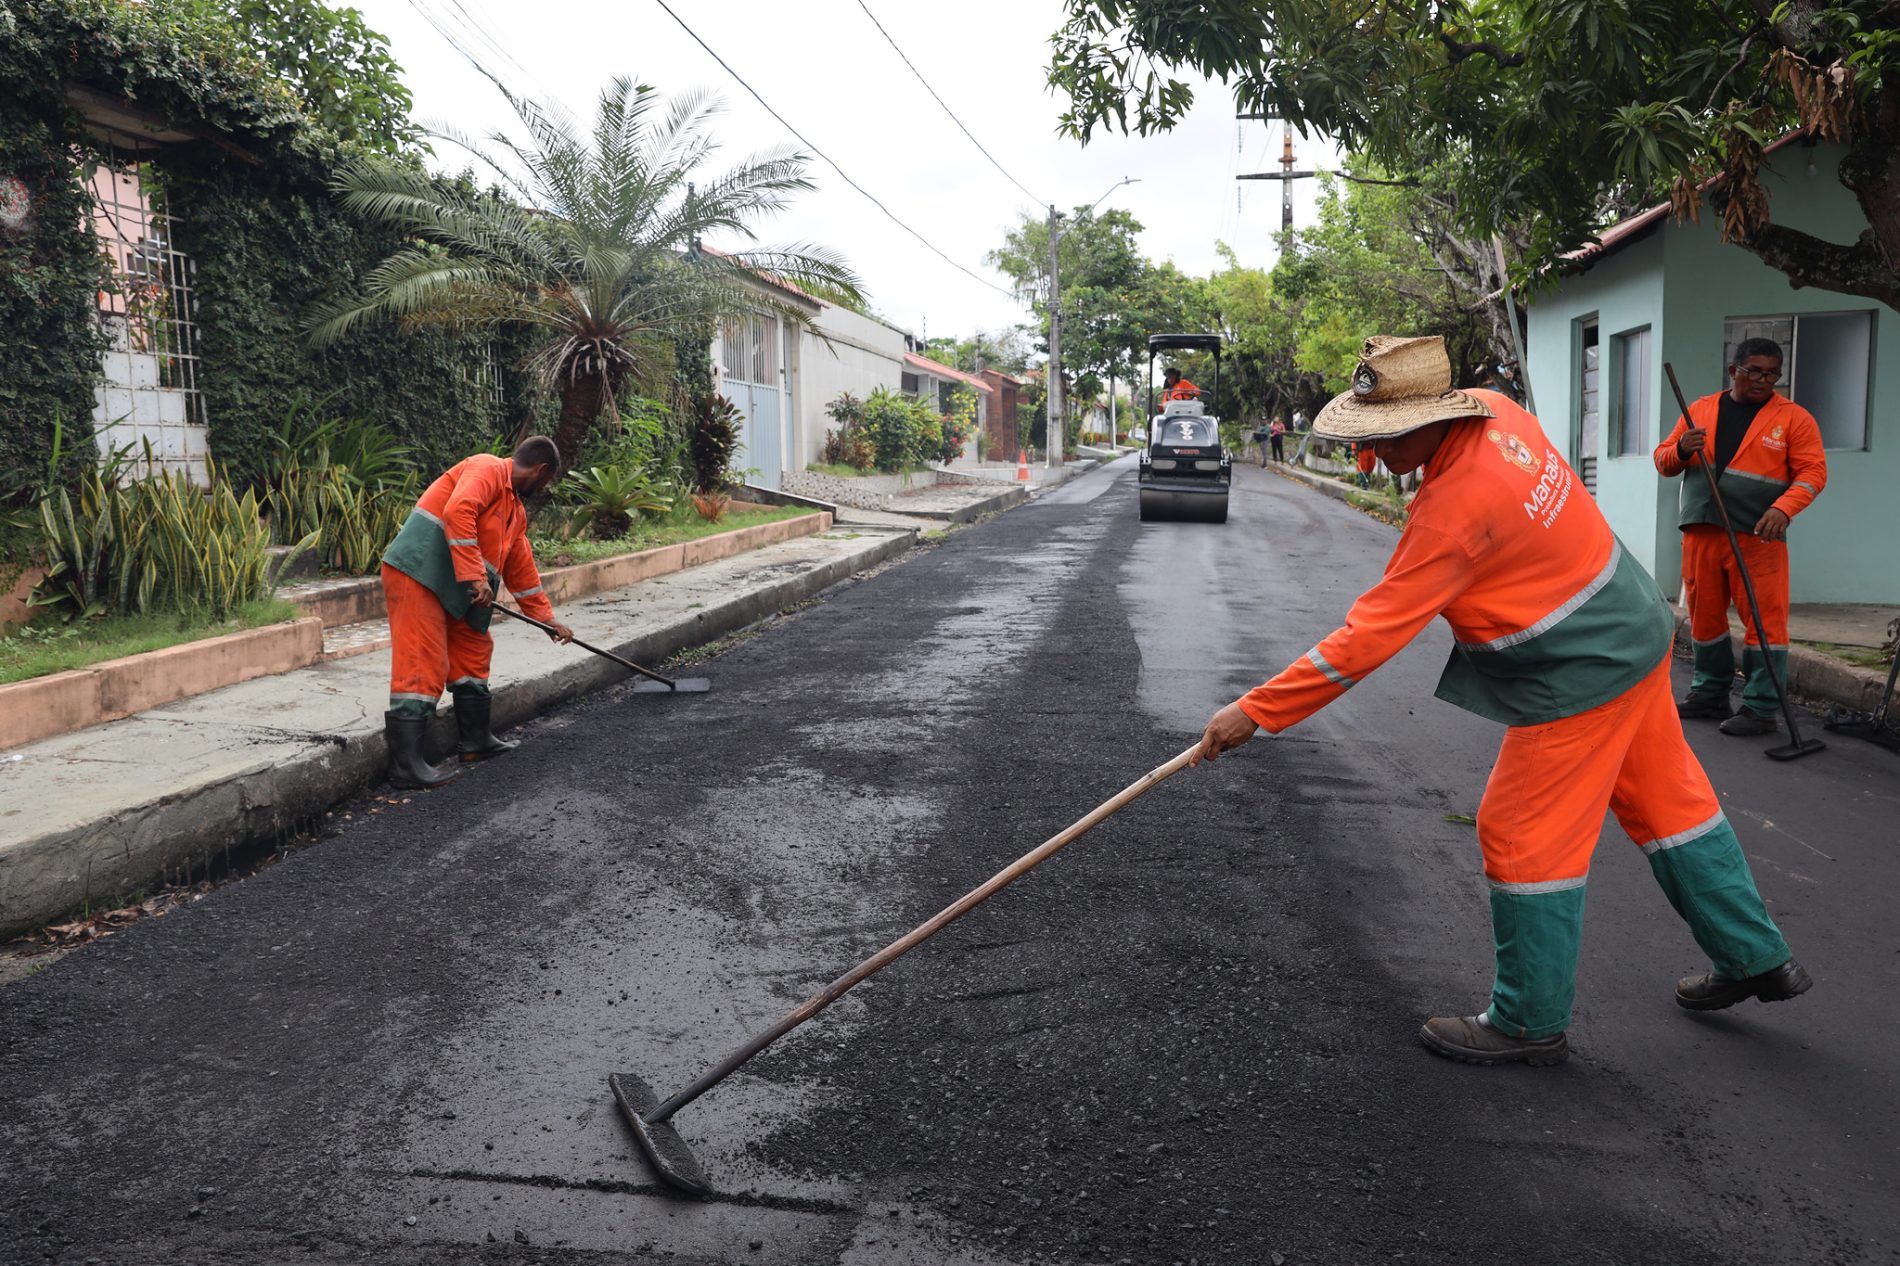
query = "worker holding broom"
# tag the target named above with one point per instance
(1770, 464)
(467, 535)
(1564, 638)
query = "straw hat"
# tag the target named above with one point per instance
(1400, 385)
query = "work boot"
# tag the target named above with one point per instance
(1694, 707)
(476, 741)
(407, 768)
(1713, 992)
(1472, 1040)
(1746, 724)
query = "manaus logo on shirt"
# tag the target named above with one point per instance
(1515, 451)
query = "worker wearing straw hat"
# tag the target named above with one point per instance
(1563, 637)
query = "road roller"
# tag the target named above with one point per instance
(1184, 472)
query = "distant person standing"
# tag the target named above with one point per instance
(1367, 461)
(1770, 464)
(1299, 420)
(1276, 434)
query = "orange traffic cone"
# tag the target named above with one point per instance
(1022, 466)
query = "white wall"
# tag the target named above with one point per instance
(860, 356)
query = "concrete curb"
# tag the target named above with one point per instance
(975, 510)
(99, 855)
(1331, 487)
(59, 703)
(360, 598)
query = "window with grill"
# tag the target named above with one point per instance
(1826, 366)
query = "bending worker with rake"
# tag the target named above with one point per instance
(1564, 638)
(467, 536)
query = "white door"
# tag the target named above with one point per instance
(750, 361)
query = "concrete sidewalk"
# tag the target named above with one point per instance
(91, 817)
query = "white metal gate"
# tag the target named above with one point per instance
(751, 364)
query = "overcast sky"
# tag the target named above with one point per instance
(824, 66)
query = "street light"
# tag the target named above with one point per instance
(1052, 427)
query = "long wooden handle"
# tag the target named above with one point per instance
(624, 663)
(1706, 461)
(910, 940)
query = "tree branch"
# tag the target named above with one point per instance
(1857, 269)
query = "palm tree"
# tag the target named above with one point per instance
(593, 242)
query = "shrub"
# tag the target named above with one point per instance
(715, 435)
(957, 424)
(351, 523)
(848, 445)
(605, 499)
(903, 432)
(155, 544)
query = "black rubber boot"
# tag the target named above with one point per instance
(472, 709)
(407, 768)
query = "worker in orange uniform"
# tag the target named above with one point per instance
(1368, 462)
(1562, 636)
(1770, 464)
(1175, 387)
(467, 535)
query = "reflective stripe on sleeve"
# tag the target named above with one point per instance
(430, 517)
(463, 540)
(1802, 483)
(1683, 837)
(1555, 617)
(1328, 671)
(529, 593)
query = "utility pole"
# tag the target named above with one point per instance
(1286, 180)
(1052, 400)
(1286, 175)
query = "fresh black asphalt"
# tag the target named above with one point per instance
(1190, 1038)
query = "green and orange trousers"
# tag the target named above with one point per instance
(1538, 826)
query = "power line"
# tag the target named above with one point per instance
(946, 109)
(831, 162)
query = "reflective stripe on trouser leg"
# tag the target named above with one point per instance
(469, 653)
(1706, 571)
(1706, 879)
(1664, 800)
(1538, 935)
(1538, 824)
(418, 652)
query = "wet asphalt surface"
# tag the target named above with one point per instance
(1190, 1038)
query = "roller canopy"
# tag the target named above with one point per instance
(1183, 342)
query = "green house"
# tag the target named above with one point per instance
(1657, 291)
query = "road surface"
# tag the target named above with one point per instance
(1191, 1038)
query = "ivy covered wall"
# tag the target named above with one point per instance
(254, 212)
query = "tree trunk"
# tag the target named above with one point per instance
(582, 399)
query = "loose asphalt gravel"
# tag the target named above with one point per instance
(1190, 1038)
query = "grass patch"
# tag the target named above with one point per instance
(841, 471)
(678, 525)
(1858, 656)
(45, 646)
